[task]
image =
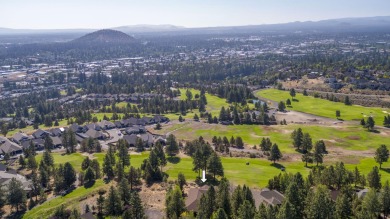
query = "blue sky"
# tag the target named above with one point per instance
(58, 14)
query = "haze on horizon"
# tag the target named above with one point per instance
(48, 14)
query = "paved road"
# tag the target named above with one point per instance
(114, 137)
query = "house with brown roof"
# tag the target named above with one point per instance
(193, 198)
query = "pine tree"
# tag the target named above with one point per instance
(22, 161)
(133, 177)
(371, 205)
(100, 202)
(172, 147)
(123, 153)
(32, 163)
(286, 211)
(48, 145)
(237, 200)
(16, 196)
(181, 181)
(385, 199)
(113, 203)
(69, 175)
(374, 178)
(297, 137)
(220, 214)
(239, 142)
(275, 153)
(292, 93)
(214, 165)
(347, 101)
(174, 203)
(89, 176)
(207, 204)
(96, 168)
(381, 155)
(246, 210)
(136, 210)
(370, 124)
(108, 169)
(307, 144)
(318, 153)
(124, 191)
(343, 207)
(223, 196)
(319, 203)
(47, 159)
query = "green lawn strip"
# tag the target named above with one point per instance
(74, 159)
(349, 138)
(214, 103)
(30, 129)
(325, 108)
(365, 165)
(48, 208)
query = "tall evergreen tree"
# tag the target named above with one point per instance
(223, 196)
(16, 196)
(123, 153)
(275, 154)
(374, 178)
(174, 203)
(319, 205)
(172, 147)
(113, 203)
(214, 165)
(381, 155)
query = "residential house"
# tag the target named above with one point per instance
(94, 134)
(19, 137)
(40, 134)
(6, 177)
(193, 198)
(57, 141)
(9, 147)
(268, 197)
(38, 144)
(93, 126)
(76, 128)
(107, 125)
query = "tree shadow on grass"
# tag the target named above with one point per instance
(295, 100)
(174, 160)
(278, 166)
(375, 131)
(89, 184)
(387, 170)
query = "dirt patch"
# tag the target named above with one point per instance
(353, 137)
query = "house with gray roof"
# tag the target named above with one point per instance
(268, 197)
(9, 147)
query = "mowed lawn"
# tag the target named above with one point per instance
(214, 103)
(346, 137)
(256, 174)
(325, 108)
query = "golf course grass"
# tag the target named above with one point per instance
(325, 108)
(346, 137)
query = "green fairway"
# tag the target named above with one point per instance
(74, 159)
(349, 137)
(214, 103)
(325, 108)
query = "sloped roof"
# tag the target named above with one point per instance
(193, 198)
(94, 134)
(9, 147)
(271, 197)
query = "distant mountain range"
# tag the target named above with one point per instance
(344, 24)
(105, 36)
